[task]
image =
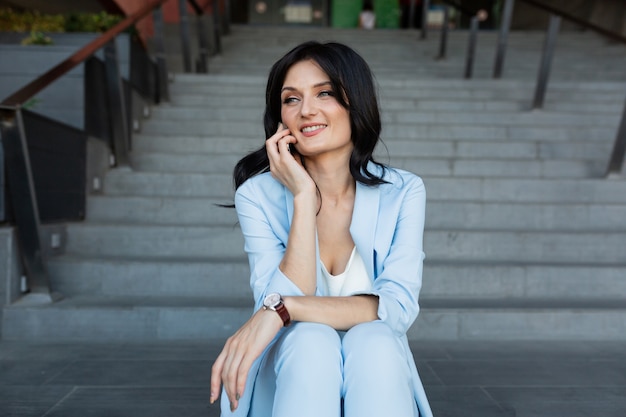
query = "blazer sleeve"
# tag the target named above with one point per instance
(265, 227)
(399, 274)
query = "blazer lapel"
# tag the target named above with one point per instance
(364, 222)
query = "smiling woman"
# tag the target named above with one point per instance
(334, 241)
(317, 121)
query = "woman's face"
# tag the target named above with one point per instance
(312, 113)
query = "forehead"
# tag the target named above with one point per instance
(305, 74)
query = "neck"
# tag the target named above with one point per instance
(333, 178)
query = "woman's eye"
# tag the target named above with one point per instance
(288, 100)
(326, 93)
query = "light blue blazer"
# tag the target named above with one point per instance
(387, 228)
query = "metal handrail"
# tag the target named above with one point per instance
(13, 139)
(29, 90)
(581, 22)
(616, 165)
(475, 19)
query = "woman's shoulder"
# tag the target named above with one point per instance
(398, 179)
(260, 187)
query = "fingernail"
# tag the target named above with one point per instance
(232, 406)
(237, 396)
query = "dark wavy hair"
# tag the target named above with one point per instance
(352, 80)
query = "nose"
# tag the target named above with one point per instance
(309, 107)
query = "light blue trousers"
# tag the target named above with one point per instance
(313, 370)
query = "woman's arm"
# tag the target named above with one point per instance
(340, 313)
(299, 260)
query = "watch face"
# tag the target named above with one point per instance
(272, 300)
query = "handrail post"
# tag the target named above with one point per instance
(505, 27)
(546, 61)
(185, 36)
(616, 162)
(203, 58)
(471, 47)
(119, 122)
(226, 17)
(425, 8)
(159, 46)
(411, 20)
(216, 26)
(443, 44)
(24, 200)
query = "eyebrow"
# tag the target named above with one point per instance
(323, 83)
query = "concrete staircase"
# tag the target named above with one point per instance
(524, 239)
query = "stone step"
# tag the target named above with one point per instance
(196, 318)
(595, 103)
(93, 276)
(420, 90)
(203, 163)
(404, 130)
(182, 81)
(216, 148)
(123, 182)
(441, 214)
(226, 243)
(437, 117)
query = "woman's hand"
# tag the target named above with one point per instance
(286, 166)
(233, 364)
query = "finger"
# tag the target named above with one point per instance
(271, 144)
(242, 376)
(229, 375)
(284, 142)
(216, 379)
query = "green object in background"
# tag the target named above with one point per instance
(345, 13)
(387, 14)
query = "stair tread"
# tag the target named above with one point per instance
(195, 302)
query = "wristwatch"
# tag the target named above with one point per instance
(275, 302)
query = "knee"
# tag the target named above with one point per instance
(373, 337)
(311, 345)
(372, 343)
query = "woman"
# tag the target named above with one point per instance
(334, 241)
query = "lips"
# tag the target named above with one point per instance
(312, 128)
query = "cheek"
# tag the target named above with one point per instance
(284, 114)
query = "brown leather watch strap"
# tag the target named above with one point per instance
(283, 313)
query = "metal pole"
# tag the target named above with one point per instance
(443, 45)
(425, 7)
(117, 105)
(24, 200)
(616, 163)
(505, 27)
(202, 65)
(546, 61)
(226, 17)
(471, 47)
(411, 14)
(159, 45)
(216, 26)
(185, 35)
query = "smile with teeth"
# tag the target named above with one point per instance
(312, 128)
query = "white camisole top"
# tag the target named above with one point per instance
(353, 280)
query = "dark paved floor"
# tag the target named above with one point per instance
(462, 379)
